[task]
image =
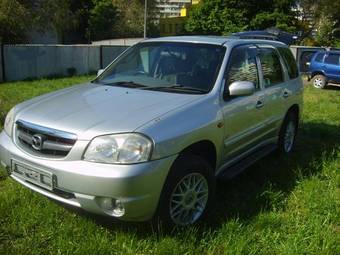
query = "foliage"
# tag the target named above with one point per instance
(120, 18)
(102, 19)
(81, 10)
(15, 20)
(18, 17)
(57, 15)
(130, 20)
(324, 35)
(280, 205)
(224, 17)
(322, 16)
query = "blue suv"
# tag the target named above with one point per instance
(325, 68)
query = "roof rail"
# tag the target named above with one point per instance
(268, 34)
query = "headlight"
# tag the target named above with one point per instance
(119, 149)
(9, 121)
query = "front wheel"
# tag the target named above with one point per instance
(188, 191)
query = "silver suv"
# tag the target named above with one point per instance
(152, 133)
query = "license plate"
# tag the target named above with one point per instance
(31, 174)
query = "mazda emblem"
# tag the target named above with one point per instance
(37, 142)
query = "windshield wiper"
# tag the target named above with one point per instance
(126, 84)
(177, 87)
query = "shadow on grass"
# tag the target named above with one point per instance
(262, 187)
(265, 185)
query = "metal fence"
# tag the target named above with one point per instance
(22, 62)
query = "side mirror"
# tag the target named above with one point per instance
(100, 71)
(241, 88)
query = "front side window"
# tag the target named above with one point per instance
(271, 67)
(306, 57)
(169, 65)
(332, 59)
(290, 62)
(242, 66)
(319, 57)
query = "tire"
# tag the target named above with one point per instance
(288, 133)
(319, 81)
(188, 192)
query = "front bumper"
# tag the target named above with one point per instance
(83, 184)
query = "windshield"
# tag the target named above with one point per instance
(170, 65)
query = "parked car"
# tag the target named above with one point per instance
(149, 137)
(324, 68)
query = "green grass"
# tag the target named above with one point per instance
(278, 206)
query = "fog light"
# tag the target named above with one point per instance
(111, 206)
(119, 209)
(106, 203)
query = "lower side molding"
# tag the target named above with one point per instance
(244, 163)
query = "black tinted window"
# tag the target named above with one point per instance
(289, 62)
(271, 67)
(319, 57)
(332, 59)
(242, 65)
(306, 56)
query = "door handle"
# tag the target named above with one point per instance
(259, 104)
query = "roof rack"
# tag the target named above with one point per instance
(268, 34)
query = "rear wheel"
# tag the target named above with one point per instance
(288, 133)
(319, 81)
(188, 191)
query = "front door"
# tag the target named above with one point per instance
(244, 120)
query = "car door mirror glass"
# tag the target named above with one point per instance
(241, 88)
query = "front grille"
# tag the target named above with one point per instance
(42, 141)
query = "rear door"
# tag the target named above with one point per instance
(332, 66)
(276, 91)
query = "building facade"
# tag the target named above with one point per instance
(171, 8)
(173, 15)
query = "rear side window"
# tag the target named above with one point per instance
(271, 67)
(319, 57)
(290, 62)
(332, 59)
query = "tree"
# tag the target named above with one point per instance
(130, 19)
(15, 19)
(228, 16)
(322, 16)
(81, 10)
(102, 19)
(57, 15)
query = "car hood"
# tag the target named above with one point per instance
(90, 110)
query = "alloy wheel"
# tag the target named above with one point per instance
(289, 136)
(189, 199)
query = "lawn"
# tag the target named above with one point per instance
(278, 206)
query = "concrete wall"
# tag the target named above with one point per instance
(119, 42)
(28, 61)
(37, 61)
(109, 53)
(1, 74)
